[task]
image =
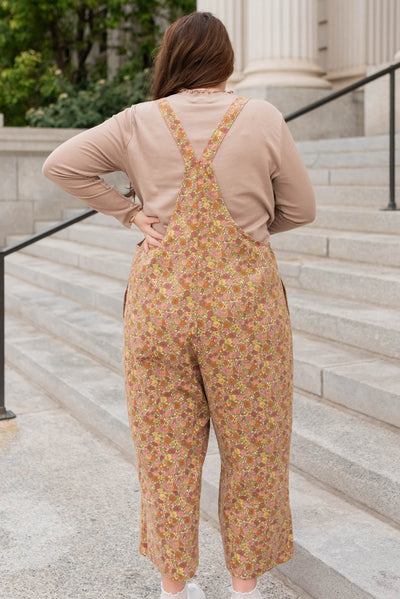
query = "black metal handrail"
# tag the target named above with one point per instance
(390, 70)
(5, 414)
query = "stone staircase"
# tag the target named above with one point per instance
(64, 331)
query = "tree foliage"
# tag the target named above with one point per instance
(53, 48)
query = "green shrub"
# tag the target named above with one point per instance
(86, 108)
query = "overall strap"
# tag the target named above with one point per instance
(225, 124)
(179, 134)
(177, 130)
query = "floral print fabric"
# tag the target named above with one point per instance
(207, 334)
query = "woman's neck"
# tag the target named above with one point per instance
(221, 88)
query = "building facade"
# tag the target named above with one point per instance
(314, 47)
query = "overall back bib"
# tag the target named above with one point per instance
(207, 333)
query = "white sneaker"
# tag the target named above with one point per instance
(194, 591)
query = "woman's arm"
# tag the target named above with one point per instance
(76, 165)
(294, 195)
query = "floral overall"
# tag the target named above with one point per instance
(207, 334)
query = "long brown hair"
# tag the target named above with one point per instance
(195, 52)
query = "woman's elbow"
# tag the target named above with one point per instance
(48, 168)
(309, 207)
(304, 212)
(310, 214)
(53, 166)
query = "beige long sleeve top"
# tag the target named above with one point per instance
(263, 181)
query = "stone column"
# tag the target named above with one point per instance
(346, 41)
(361, 34)
(231, 14)
(276, 45)
(382, 42)
(281, 45)
(376, 100)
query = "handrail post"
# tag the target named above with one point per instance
(392, 147)
(4, 414)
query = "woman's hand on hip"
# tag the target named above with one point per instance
(144, 223)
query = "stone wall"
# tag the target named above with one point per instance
(26, 195)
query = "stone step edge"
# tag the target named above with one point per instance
(340, 234)
(52, 281)
(37, 316)
(371, 483)
(81, 256)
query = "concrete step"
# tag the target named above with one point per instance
(363, 219)
(93, 393)
(349, 159)
(118, 238)
(102, 293)
(351, 454)
(373, 196)
(340, 558)
(98, 335)
(345, 321)
(373, 175)
(361, 381)
(341, 278)
(373, 248)
(87, 257)
(371, 143)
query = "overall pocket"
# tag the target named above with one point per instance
(285, 294)
(124, 301)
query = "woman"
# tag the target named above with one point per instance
(207, 330)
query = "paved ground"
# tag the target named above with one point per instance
(69, 513)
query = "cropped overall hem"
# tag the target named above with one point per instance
(261, 568)
(177, 575)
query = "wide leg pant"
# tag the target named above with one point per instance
(215, 347)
